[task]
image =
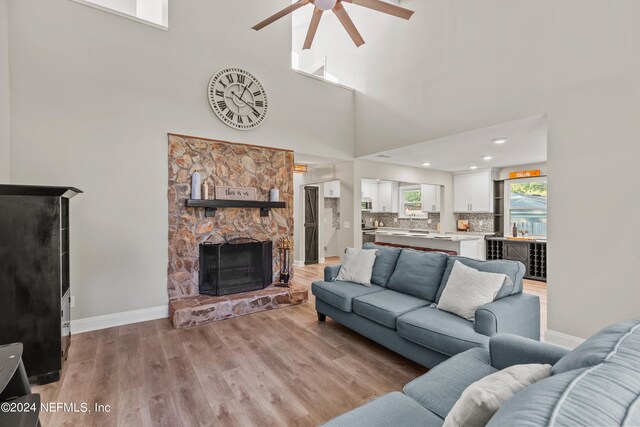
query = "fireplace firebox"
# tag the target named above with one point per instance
(239, 265)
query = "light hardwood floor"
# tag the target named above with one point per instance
(277, 368)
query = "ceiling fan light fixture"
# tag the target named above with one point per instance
(325, 4)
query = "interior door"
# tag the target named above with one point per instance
(311, 225)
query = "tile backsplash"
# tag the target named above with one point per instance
(403, 223)
(475, 219)
(334, 204)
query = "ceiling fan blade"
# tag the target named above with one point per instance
(284, 12)
(384, 7)
(313, 27)
(347, 23)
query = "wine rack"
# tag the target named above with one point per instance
(532, 254)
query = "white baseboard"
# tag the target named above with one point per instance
(118, 319)
(563, 340)
(298, 263)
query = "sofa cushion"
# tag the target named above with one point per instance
(385, 307)
(392, 409)
(440, 388)
(418, 273)
(358, 266)
(385, 263)
(599, 346)
(604, 392)
(482, 399)
(440, 331)
(514, 270)
(469, 289)
(341, 294)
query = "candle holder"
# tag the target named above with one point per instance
(284, 250)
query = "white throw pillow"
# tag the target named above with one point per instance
(482, 399)
(468, 289)
(358, 266)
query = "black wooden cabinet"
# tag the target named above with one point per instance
(34, 275)
(533, 254)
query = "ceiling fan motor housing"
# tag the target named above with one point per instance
(325, 4)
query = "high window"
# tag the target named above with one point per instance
(527, 200)
(151, 12)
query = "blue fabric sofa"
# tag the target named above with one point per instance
(398, 311)
(596, 384)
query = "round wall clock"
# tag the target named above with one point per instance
(238, 98)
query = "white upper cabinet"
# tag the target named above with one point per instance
(366, 189)
(430, 198)
(387, 197)
(472, 192)
(332, 189)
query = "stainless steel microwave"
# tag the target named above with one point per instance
(366, 205)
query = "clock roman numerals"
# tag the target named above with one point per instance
(237, 98)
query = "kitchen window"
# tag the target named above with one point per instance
(411, 202)
(527, 206)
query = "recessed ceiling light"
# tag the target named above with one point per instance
(426, 164)
(487, 158)
(378, 179)
(473, 167)
(500, 141)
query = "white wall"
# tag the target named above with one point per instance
(482, 63)
(93, 97)
(4, 93)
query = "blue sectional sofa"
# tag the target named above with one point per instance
(398, 311)
(596, 384)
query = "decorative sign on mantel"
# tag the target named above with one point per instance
(236, 193)
(524, 174)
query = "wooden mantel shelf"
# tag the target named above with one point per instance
(211, 206)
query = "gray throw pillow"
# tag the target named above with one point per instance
(468, 289)
(357, 266)
(482, 399)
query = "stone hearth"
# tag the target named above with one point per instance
(202, 309)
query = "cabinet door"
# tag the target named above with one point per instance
(375, 200)
(430, 198)
(461, 189)
(384, 196)
(366, 189)
(395, 197)
(332, 189)
(480, 192)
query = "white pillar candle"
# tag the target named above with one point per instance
(274, 195)
(195, 186)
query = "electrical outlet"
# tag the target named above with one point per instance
(325, 248)
(347, 224)
(395, 219)
(72, 301)
(429, 221)
(481, 222)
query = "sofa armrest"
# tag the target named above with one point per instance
(331, 272)
(517, 314)
(508, 350)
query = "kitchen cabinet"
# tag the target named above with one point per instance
(366, 189)
(384, 196)
(332, 189)
(430, 198)
(473, 192)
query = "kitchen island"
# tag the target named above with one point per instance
(464, 245)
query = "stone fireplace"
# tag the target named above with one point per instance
(223, 163)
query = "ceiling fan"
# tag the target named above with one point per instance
(321, 6)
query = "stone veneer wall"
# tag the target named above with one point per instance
(222, 163)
